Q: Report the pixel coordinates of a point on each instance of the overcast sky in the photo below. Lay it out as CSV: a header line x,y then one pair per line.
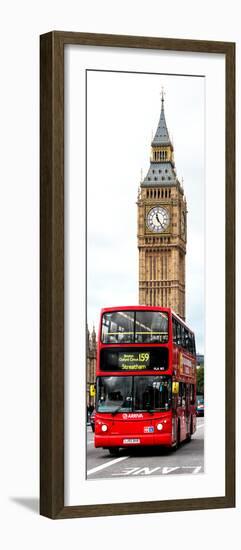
x,y
122,115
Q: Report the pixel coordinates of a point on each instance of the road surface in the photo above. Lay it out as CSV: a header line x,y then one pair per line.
x,y
147,461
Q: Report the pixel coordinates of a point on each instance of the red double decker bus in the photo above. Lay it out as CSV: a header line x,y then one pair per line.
x,y
146,379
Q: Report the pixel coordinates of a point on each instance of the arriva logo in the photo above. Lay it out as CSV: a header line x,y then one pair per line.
x,y
132,415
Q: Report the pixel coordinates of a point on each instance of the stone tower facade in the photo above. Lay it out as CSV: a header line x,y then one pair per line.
x,y
162,227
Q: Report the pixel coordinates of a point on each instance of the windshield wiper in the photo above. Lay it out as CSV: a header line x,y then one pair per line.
x,y
117,409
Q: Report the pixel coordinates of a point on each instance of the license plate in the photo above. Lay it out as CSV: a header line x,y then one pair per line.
x,y
126,441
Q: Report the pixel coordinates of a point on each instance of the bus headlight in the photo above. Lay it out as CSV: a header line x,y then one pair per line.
x,y
104,428
159,427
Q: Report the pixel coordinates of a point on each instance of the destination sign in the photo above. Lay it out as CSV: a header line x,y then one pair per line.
x,y
134,360
139,360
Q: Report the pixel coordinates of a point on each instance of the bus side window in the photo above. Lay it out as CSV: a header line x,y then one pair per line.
x,y
174,331
189,341
179,335
194,344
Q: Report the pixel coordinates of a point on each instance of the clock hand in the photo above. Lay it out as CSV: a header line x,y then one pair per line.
x,y
159,221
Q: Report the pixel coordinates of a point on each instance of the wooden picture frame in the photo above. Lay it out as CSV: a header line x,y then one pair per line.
x,y
52,274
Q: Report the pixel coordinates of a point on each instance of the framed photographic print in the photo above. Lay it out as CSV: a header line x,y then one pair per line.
x,y
137,193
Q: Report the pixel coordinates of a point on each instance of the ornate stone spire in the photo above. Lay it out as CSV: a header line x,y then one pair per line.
x,y
161,136
161,230
162,167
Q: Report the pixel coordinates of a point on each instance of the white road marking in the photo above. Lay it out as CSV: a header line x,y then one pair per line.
x,y
163,470
89,442
146,471
169,469
127,471
106,465
200,426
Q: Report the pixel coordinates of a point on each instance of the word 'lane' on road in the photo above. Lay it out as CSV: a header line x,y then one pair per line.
x,y
147,461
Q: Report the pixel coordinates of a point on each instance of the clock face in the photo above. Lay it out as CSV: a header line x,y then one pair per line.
x,y
158,219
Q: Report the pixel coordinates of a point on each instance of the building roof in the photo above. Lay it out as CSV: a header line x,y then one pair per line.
x,y
160,173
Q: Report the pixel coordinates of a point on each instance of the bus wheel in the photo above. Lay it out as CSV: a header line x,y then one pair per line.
x,y
114,451
189,436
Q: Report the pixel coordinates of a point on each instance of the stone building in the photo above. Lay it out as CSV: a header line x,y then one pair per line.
x,y
91,367
162,227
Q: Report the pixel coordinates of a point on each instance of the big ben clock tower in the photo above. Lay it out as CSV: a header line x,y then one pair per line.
x,y
162,231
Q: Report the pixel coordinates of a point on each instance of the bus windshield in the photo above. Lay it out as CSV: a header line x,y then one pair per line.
x,y
133,393
128,327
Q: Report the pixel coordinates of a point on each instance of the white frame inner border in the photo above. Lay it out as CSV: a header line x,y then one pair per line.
x,y
79,490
